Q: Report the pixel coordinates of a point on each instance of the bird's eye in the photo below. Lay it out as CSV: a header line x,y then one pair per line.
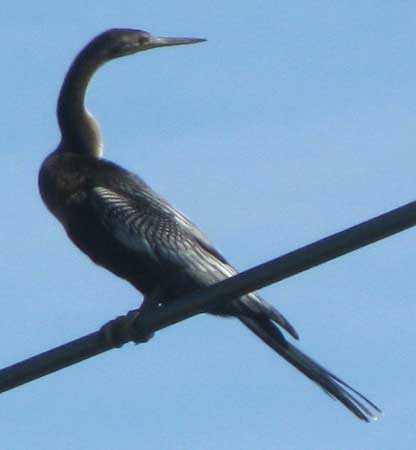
x,y
122,45
143,40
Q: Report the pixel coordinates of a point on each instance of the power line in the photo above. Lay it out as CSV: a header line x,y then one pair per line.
x,y
260,276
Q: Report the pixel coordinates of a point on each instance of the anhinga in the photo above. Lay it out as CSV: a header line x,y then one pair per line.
x,y
115,218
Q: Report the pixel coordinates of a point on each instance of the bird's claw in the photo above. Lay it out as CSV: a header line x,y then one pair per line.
x,y
123,329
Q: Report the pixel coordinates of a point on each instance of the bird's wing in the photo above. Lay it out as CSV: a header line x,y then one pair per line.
x,y
183,221
145,223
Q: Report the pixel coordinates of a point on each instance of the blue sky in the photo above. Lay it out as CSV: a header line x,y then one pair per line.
x,y
292,122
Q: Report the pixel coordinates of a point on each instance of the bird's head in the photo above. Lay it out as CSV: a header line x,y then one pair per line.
x,y
119,42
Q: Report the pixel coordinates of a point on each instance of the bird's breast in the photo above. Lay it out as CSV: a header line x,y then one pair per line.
x,y
61,182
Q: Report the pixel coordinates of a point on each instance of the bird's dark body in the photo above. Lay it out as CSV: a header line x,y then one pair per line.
x,y
115,218
177,257
124,226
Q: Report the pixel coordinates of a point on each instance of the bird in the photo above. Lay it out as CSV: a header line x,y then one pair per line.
x,y
123,225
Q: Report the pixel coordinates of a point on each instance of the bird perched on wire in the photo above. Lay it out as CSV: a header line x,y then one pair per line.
x,y
115,218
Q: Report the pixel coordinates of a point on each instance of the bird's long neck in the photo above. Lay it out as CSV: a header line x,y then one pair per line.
x,y
80,131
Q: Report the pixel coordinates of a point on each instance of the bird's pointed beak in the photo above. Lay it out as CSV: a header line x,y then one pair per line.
x,y
156,41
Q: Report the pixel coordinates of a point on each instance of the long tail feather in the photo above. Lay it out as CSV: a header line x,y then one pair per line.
x,y
256,304
359,405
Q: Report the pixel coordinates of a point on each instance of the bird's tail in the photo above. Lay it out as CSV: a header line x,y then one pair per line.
x,y
359,405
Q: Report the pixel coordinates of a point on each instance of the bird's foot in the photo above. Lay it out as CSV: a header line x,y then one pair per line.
x,y
123,329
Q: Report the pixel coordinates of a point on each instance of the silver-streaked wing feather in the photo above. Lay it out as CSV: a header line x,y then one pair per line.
x,y
182,220
147,224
